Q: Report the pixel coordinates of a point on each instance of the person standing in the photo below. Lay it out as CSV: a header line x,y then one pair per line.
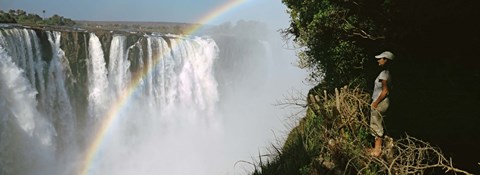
x,y
381,101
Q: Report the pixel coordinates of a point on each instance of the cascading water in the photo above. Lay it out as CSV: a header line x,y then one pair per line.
x,y
160,127
118,68
27,135
166,114
97,82
172,104
58,105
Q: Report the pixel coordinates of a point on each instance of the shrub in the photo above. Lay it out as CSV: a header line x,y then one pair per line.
x,y
333,137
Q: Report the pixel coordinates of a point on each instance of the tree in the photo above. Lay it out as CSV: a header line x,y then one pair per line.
x,y
21,17
336,37
29,19
6,18
59,20
20,12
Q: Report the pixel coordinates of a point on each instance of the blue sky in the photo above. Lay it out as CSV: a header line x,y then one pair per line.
x,y
271,12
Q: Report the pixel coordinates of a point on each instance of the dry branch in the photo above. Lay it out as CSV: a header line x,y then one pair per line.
x,y
346,115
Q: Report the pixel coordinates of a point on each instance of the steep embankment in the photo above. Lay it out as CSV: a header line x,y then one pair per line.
x,y
333,138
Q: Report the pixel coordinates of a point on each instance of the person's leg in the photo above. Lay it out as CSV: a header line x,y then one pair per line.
x,y
377,150
377,131
376,124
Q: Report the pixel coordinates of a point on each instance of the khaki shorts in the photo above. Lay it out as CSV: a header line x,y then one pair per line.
x,y
376,118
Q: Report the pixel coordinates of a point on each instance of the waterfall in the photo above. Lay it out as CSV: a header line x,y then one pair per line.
x,y
172,105
118,69
168,112
39,65
27,137
58,104
97,79
148,85
18,95
23,45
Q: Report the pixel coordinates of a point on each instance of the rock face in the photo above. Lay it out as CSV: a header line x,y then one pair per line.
x,y
74,45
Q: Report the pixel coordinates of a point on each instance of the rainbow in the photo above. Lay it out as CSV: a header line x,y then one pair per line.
x,y
114,110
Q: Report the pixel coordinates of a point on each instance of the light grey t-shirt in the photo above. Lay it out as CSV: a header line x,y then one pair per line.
x,y
384,75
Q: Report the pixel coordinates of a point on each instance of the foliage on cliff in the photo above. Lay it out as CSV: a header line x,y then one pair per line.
x,y
21,17
339,38
435,42
334,136
336,37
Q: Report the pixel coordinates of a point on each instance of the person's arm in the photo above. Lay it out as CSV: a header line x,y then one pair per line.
x,y
383,94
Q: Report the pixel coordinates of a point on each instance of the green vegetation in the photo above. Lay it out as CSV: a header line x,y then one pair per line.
x,y
433,95
21,17
337,37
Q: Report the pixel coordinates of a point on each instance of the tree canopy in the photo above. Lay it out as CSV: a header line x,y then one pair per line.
x,y
21,17
436,75
336,37
339,38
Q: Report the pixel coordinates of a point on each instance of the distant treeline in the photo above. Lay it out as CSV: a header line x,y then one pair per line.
x,y
21,17
138,26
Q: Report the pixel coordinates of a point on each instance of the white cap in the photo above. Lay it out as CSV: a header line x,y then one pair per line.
x,y
387,54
